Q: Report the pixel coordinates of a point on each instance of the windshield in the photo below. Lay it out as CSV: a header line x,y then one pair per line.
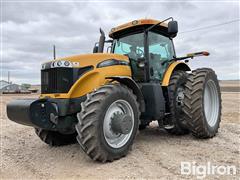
x,y
132,46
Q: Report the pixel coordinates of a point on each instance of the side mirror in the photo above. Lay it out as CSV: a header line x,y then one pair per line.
x,y
173,28
95,49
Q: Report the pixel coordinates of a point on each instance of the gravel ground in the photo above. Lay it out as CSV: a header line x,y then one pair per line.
x,y
155,153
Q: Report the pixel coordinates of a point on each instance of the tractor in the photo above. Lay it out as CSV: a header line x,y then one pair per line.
x,y
102,99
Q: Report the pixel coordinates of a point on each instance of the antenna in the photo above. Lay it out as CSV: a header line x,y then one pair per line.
x,y
148,12
8,77
54,52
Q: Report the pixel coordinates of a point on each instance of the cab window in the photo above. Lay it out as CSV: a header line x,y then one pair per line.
x,y
133,47
160,52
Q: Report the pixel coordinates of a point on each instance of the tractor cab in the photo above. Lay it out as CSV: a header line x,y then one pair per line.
x,y
148,45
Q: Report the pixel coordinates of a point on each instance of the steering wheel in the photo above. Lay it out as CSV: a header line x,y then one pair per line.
x,y
139,52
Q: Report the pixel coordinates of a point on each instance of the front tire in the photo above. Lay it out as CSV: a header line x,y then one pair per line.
x,y
96,133
204,103
54,138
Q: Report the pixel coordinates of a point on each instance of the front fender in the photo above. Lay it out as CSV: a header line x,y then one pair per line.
x,y
87,83
131,84
96,78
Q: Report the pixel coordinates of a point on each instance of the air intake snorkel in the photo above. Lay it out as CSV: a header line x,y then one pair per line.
x,y
101,42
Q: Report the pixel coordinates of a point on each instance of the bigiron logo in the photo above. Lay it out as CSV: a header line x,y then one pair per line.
x,y
203,170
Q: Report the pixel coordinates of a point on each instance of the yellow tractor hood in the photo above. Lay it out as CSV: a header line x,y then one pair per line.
x,y
92,59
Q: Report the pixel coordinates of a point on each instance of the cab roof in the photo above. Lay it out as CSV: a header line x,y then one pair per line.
x,y
135,25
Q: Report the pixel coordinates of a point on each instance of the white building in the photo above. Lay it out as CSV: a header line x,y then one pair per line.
x,y
6,87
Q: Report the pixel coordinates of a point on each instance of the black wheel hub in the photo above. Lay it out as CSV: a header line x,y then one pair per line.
x,y
121,123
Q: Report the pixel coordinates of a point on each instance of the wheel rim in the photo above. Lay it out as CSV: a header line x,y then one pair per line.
x,y
179,98
117,140
211,103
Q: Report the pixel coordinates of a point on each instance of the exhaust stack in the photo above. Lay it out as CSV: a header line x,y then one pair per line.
x,y
101,41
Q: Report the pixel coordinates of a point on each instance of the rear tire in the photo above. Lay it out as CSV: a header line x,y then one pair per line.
x,y
176,116
54,138
204,104
95,136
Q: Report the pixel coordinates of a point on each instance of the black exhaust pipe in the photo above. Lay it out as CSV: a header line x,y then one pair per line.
x,y
101,41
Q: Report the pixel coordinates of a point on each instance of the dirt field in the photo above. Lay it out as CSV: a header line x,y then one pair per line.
x,y
230,86
155,154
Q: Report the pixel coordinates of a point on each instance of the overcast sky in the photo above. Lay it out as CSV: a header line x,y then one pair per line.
x,y
29,29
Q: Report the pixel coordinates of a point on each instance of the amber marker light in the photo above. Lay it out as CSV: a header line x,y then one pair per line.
x,y
205,53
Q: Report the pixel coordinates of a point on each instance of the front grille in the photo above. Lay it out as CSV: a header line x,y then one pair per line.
x,y
60,80
56,80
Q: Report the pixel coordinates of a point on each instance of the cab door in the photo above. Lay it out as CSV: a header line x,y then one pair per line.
x,y
161,51
132,45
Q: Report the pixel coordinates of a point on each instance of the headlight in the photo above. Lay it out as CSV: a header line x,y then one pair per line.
x,y
61,63
66,63
112,62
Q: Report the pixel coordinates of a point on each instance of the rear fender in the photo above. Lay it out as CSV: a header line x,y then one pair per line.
x,y
171,68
